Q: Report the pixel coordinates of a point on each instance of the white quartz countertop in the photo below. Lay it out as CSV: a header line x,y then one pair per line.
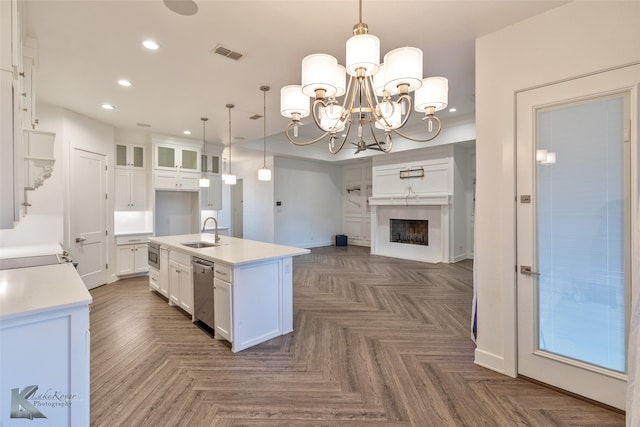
x,y
30,250
232,250
40,289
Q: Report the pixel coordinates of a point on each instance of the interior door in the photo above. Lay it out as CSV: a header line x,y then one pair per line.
x,y
574,232
88,216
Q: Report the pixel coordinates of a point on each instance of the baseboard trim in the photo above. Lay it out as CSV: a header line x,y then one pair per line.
x,y
489,361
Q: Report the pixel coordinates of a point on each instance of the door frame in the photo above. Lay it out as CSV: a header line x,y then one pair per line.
x,y
633,87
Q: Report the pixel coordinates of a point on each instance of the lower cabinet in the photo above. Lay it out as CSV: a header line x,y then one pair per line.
x,y
181,281
223,308
46,353
132,259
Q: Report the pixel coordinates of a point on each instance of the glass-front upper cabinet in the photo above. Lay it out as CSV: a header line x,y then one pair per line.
x,y
177,158
210,163
129,156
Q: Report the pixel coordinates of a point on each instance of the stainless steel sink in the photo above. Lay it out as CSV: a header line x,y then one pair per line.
x,y
199,245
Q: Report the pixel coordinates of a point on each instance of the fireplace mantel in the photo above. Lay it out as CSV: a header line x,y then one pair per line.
x,y
413,200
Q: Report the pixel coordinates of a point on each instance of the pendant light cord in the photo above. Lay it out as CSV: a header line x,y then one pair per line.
x,y
230,106
264,90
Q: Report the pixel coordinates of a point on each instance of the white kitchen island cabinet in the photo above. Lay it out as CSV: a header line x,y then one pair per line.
x,y
44,351
253,286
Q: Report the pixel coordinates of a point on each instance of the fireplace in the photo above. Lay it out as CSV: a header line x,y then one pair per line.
x,y
423,230
409,231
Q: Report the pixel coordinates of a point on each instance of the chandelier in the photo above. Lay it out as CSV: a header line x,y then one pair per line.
x,y
377,96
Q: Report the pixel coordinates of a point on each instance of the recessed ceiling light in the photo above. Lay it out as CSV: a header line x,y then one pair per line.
x,y
452,110
108,106
123,82
187,132
150,44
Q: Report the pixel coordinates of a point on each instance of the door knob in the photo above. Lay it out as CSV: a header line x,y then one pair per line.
x,y
80,239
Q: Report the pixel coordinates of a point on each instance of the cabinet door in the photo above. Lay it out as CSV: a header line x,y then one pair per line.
x,y
205,197
174,283
189,182
186,288
125,259
121,156
223,309
164,271
137,157
166,157
166,181
190,160
138,188
141,255
154,279
123,190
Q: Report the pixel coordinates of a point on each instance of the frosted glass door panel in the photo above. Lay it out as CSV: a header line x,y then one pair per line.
x,y
121,155
166,157
580,232
190,160
138,157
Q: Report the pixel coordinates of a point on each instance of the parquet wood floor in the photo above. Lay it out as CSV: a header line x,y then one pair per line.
x,y
377,342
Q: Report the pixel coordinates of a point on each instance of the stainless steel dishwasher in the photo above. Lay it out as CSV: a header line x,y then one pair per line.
x,y
203,292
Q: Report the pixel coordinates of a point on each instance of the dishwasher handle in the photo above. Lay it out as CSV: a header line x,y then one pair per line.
x,y
203,263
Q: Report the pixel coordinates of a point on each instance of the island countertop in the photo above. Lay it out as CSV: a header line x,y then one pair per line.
x,y
232,250
39,289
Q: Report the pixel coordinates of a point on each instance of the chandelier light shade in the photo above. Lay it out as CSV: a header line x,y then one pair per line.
x,y
264,173
204,181
319,73
434,92
230,178
403,67
294,102
375,96
363,53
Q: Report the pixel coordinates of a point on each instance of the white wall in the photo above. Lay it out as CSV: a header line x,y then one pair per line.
x,y
258,205
563,43
43,223
311,196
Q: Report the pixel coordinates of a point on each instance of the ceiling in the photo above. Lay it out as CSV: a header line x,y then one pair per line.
x,y
85,47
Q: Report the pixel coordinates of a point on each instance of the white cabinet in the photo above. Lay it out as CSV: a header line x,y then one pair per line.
x,y
131,190
176,165
223,301
154,279
44,316
132,255
164,271
178,158
181,281
211,197
176,181
130,156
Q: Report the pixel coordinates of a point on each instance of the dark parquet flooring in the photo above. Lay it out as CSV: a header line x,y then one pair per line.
x,y
377,342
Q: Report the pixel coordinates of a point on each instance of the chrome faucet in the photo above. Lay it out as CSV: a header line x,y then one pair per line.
x,y
215,221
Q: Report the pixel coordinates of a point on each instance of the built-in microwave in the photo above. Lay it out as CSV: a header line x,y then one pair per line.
x,y
154,255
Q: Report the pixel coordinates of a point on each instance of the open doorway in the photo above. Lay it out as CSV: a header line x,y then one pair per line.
x,y
236,209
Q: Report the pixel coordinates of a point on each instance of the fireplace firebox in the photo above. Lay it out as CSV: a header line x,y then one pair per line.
x,y
409,231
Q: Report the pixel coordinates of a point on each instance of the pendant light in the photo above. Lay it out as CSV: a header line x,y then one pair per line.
x,y
264,173
204,181
230,178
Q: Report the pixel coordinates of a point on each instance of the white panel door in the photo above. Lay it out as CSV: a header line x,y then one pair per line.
x,y
574,232
88,216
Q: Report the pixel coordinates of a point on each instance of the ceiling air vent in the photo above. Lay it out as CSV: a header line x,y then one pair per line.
x,y
221,50
255,117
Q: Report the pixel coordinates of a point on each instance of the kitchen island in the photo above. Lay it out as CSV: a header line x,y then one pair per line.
x,y
252,285
44,346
